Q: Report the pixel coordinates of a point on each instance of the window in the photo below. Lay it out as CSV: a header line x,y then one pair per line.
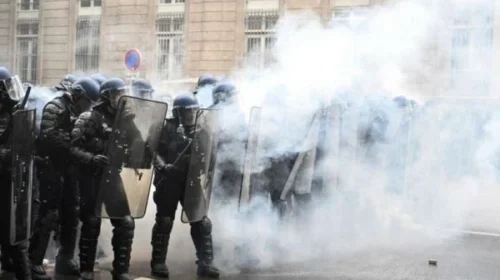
x,y
171,1
259,31
90,3
170,46
471,49
26,50
87,43
27,5
351,17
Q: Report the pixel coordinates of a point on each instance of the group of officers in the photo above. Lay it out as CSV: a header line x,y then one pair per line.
x,y
72,158
89,134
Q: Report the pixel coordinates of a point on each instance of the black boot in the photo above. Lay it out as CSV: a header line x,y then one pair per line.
x,y
201,233
6,259
65,263
123,235
21,261
159,240
38,273
91,228
40,241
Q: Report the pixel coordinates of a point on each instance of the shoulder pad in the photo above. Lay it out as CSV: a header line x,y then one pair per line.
x,y
55,104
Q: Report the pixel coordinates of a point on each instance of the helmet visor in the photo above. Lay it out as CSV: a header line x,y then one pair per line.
x,y
115,94
13,88
187,116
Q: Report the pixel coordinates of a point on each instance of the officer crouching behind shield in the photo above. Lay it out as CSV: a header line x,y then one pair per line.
x,y
171,170
89,141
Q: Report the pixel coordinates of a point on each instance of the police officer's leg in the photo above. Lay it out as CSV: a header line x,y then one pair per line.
x,y
123,230
21,261
91,228
279,205
47,220
65,264
166,198
18,253
201,233
6,259
303,207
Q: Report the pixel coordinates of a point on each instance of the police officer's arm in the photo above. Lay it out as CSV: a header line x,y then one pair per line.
x,y
160,163
81,137
52,135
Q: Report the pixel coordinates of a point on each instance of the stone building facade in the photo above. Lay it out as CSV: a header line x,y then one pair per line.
x,y
41,40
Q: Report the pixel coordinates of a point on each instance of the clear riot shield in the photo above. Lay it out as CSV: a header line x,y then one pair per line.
x,y
301,176
202,161
250,156
450,140
132,147
279,154
23,136
326,172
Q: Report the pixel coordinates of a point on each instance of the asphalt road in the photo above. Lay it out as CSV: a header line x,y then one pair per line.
x,y
469,256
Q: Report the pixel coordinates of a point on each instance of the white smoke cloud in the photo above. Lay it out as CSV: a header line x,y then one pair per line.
x,y
436,173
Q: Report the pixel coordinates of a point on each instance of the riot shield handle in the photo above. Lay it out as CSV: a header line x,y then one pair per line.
x,y
137,173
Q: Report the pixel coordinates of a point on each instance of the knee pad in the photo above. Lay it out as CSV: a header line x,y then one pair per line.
x,y
204,226
126,223
91,226
164,224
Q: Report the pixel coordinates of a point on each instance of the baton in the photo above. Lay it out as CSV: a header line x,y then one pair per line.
x,y
25,99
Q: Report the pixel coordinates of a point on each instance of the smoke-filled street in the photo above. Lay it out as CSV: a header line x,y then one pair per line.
x,y
469,256
269,139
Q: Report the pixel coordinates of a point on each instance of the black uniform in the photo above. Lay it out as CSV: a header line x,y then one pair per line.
x,y
58,188
170,187
89,139
17,254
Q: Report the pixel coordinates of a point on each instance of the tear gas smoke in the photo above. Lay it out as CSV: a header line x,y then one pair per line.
x,y
399,176
38,98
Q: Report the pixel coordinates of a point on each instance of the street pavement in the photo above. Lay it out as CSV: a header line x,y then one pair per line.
x,y
468,256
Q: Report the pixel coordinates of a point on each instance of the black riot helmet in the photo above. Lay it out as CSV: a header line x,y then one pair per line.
x,y
206,80
86,87
98,77
223,93
142,88
85,92
69,79
184,109
401,101
10,86
111,91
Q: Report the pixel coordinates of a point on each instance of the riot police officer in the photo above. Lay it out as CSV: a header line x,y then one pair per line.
x,y
170,180
205,80
142,88
58,188
89,141
68,80
231,142
203,91
14,258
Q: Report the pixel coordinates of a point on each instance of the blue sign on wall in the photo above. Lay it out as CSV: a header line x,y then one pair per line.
x,y
133,59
